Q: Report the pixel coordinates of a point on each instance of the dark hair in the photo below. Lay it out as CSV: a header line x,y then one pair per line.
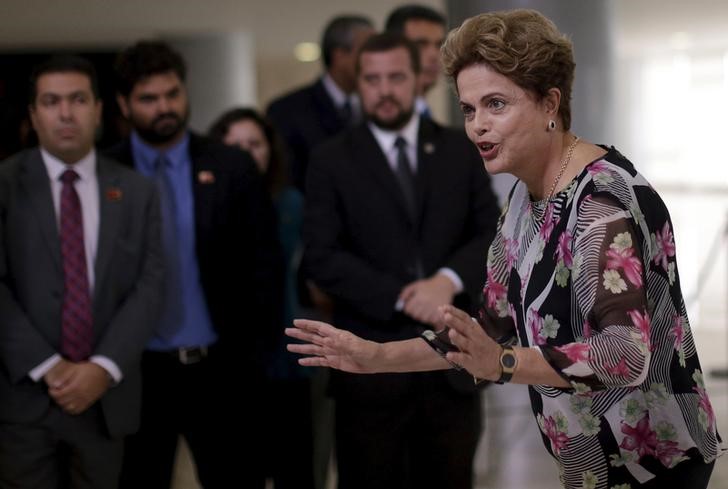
x,y
63,64
144,59
387,41
522,45
339,34
276,177
399,17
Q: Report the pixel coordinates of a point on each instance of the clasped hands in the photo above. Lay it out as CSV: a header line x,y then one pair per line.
x,y
76,386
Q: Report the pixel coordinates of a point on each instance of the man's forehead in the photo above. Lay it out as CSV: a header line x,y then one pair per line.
x,y
63,82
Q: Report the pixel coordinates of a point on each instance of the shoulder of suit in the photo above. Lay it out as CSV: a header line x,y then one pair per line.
x,y
13,164
297,97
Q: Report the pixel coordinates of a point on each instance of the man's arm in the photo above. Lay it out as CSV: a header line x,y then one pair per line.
x,y
135,319
22,347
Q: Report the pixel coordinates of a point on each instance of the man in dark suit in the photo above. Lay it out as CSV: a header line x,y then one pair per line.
x,y
426,28
219,228
310,115
399,215
81,270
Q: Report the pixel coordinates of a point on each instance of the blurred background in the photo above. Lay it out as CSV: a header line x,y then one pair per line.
x,y
651,79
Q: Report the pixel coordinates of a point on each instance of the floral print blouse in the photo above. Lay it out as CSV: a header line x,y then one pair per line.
x,y
590,279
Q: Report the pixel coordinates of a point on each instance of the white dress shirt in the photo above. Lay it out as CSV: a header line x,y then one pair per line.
x,y
386,139
87,188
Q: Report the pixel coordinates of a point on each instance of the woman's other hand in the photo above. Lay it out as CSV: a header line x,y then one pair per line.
x,y
327,346
479,354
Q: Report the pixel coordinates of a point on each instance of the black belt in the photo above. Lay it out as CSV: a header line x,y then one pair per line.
x,y
186,356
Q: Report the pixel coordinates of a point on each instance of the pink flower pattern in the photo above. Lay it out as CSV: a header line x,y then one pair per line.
x,y
665,246
642,323
667,451
548,223
677,331
494,291
705,405
640,438
535,324
626,260
575,352
619,370
511,246
558,438
597,167
563,250
587,329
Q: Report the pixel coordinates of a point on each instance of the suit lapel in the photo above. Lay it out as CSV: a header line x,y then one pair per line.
x,y
111,200
368,154
205,185
328,114
428,153
35,181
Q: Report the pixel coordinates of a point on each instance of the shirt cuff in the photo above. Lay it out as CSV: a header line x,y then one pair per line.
x,y
454,278
39,372
108,364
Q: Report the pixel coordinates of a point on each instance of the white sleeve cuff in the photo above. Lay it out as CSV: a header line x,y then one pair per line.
x,y
108,364
39,372
454,278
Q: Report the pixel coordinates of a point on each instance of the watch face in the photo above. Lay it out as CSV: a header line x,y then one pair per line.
x,y
508,360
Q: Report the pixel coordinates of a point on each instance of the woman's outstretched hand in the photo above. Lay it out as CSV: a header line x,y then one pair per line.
x,y
327,346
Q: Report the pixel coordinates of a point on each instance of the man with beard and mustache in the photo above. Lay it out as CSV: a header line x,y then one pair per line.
x,y
219,227
399,215
426,28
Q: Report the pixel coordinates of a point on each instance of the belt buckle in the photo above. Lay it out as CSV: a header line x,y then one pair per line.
x,y
190,356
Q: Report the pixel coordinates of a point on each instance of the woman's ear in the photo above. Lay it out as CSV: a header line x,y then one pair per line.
x,y
551,102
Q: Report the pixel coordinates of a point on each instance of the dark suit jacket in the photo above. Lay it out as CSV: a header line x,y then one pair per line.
x,y
305,118
238,253
126,298
361,246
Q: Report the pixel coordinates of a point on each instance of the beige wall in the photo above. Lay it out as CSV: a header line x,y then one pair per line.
x,y
276,27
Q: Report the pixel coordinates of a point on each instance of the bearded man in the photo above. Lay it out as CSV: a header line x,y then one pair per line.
x,y
218,228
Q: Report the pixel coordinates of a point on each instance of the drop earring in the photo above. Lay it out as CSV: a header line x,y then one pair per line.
x,y
552,125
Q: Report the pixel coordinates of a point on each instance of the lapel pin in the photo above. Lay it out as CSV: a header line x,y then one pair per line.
x,y
205,177
113,194
428,148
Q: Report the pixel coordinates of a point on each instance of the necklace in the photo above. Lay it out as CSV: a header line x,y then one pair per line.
x,y
564,164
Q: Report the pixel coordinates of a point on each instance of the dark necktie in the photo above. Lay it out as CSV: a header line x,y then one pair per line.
x,y
405,176
347,112
76,315
172,310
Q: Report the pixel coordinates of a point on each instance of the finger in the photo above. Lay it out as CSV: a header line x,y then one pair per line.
x,y
309,349
458,313
462,325
313,362
316,327
457,339
303,335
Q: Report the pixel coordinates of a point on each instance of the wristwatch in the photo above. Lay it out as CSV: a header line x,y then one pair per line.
x,y
508,363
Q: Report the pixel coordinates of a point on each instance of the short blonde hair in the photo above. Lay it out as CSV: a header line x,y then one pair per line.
x,y
522,45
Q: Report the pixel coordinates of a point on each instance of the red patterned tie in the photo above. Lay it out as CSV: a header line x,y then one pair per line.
x,y
76,332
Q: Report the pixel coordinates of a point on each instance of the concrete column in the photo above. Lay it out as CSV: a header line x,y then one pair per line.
x,y
220,74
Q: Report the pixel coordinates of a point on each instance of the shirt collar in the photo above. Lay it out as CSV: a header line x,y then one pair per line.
x,y
421,105
335,92
85,167
386,137
146,155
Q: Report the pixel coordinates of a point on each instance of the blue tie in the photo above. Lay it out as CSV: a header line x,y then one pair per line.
x,y
172,311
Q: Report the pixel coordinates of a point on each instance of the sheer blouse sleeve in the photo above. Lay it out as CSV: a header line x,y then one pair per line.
x,y
609,291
